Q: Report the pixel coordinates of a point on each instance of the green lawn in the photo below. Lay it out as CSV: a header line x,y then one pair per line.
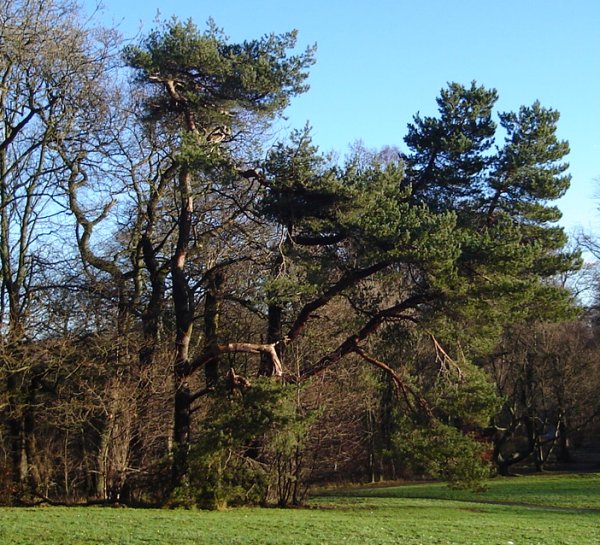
x,y
550,490
358,516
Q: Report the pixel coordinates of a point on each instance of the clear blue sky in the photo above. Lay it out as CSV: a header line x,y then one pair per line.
x,y
381,61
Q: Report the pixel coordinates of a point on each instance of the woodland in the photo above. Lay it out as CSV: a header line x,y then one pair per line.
x,y
196,313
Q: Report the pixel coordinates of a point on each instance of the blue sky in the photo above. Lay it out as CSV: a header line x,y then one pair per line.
x,y
379,62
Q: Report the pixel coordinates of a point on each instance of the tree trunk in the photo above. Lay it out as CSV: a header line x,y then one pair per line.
x,y
21,426
152,313
184,319
274,335
563,452
212,311
29,436
17,451
100,491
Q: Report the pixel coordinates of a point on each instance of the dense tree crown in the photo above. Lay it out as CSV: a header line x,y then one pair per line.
x,y
220,89
235,317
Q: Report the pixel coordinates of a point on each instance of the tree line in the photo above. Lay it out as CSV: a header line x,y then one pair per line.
x,y
196,313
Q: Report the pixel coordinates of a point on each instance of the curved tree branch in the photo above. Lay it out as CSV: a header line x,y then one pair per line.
x,y
351,343
401,385
217,350
346,281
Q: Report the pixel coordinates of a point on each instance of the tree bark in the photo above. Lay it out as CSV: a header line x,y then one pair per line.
x,y
184,319
274,335
212,312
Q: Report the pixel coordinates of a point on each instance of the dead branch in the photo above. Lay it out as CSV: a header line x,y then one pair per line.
x,y
237,382
217,350
445,362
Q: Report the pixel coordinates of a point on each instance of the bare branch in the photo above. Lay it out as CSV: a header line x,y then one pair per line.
x,y
217,350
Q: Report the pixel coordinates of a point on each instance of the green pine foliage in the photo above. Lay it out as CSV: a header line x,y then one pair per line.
x,y
213,76
463,224
441,451
245,450
204,251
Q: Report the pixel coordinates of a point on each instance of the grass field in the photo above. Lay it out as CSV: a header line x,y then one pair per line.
x,y
566,512
576,491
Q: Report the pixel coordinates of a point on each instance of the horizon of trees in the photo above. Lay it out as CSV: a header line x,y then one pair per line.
x,y
193,314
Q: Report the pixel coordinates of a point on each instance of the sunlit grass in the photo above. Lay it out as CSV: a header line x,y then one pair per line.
x,y
383,516
580,491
